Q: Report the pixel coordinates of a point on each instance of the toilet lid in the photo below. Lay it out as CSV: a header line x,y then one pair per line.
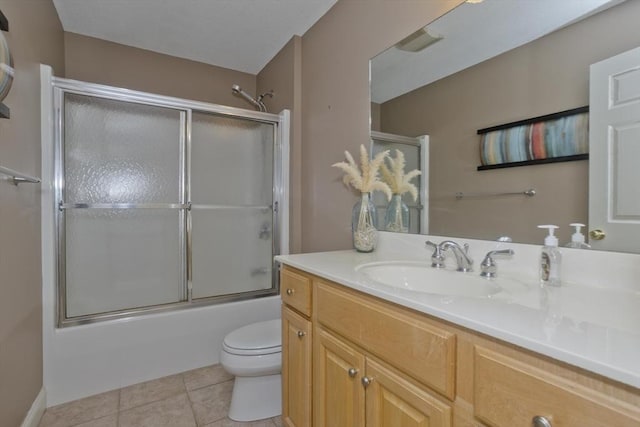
x,y
256,338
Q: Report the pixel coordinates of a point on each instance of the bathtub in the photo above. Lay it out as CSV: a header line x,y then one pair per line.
x,y
80,361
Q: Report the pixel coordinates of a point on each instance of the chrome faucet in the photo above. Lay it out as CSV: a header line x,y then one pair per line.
x,y
488,267
437,258
464,261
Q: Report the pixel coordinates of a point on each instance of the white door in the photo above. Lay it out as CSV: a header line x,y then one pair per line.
x,y
614,152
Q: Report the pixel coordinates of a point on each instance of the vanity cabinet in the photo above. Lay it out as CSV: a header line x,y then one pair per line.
x,y
498,379
296,349
376,363
352,388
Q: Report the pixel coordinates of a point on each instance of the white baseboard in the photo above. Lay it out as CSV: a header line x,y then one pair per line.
x,y
37,409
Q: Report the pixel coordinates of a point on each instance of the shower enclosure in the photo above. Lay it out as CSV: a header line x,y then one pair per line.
x,y
163,203
416,154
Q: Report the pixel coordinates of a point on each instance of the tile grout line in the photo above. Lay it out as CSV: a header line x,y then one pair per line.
x,y
193,413
216,381
119,406
156,400
118,412
186,391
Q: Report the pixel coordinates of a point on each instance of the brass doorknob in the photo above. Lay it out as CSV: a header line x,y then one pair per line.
x,y
597,234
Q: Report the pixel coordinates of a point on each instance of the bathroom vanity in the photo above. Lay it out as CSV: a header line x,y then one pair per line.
x,y
357,353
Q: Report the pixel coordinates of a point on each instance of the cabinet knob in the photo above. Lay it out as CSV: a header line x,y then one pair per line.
x,y
353,372
366,381
290,291
301,334
597,234
539,421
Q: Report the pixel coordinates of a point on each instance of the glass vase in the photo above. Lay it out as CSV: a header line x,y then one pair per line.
x,y
396,218
364,224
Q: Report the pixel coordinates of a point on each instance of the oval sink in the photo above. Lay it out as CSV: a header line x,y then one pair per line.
x,y
421,277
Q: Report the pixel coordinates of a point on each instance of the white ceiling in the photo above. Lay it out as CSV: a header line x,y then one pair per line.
x,y
242,35
472,33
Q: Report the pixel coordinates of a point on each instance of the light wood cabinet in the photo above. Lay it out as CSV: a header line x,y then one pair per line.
x,y
498,379
423,371
338,394
297,339
295,291
394,400
352,388
421,349
296,369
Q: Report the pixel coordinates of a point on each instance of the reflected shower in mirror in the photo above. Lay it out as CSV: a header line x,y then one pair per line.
x,y
486,64
416,155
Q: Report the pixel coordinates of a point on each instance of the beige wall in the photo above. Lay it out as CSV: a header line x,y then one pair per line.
x,y
283,75
543,77
335,103
35,36
98,61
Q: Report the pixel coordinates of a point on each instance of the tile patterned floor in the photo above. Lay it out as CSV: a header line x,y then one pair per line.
x,y
198,398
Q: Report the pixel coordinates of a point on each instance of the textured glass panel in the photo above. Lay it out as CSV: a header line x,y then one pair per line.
x,y
232,251
120,152
412,158
414,220
231,161
120,259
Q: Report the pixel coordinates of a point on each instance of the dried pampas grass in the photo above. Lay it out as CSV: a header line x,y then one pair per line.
x,y
366,178
396,179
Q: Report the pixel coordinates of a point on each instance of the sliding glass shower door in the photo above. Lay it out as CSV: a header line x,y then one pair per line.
x,y
122,205
232,196
161,203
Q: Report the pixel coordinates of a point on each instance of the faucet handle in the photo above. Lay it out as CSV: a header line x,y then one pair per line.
x,y
437,258
466,248
488,267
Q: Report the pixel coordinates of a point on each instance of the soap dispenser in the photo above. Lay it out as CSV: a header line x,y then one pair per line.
x,y
577,238
550,259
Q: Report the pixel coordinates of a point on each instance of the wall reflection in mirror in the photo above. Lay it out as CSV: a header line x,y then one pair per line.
x,y
486,64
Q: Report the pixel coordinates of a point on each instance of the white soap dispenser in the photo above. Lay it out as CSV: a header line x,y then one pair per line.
x,y
550,259
577,238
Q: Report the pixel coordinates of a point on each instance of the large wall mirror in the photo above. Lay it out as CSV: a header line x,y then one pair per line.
x,y
487,63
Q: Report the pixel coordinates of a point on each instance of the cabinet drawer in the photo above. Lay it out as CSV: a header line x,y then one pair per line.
x,y
424,351
509,393
295,290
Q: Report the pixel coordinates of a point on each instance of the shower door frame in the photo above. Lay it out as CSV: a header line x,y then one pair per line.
x,y
279,207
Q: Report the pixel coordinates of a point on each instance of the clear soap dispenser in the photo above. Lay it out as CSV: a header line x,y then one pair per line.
x,y
577,238
550,259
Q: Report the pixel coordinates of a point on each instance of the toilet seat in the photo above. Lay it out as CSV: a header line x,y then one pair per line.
x,y
255,339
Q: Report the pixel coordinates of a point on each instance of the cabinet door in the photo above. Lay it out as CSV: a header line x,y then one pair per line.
x,y
393,400
510,393
338,398
296,369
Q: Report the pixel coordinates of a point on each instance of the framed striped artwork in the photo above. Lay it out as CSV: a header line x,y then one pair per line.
x,y
557,137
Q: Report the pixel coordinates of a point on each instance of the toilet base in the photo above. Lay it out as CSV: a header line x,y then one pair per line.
x,y
256,398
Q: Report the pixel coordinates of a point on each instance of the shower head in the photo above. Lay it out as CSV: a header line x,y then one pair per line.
x,y
237,90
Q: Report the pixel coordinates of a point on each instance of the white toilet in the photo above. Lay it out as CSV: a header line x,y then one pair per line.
x,y
253,353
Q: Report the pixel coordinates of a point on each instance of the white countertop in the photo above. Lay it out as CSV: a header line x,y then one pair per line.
x,y
592,327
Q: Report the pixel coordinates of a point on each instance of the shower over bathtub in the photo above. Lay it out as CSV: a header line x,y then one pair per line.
x,y
161,217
